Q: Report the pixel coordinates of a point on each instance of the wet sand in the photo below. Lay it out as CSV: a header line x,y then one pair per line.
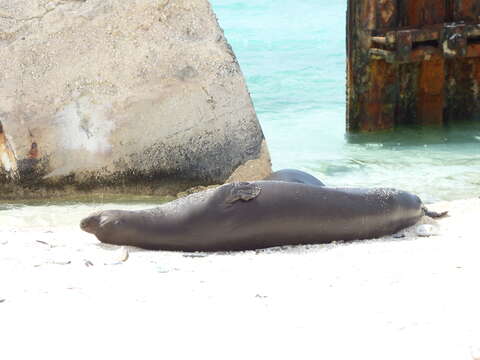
x,y
64,295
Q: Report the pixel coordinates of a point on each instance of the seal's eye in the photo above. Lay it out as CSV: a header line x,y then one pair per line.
x,y
84,224
89,223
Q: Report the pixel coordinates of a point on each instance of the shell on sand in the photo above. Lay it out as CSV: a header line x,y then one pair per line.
x,y
120,256
426,230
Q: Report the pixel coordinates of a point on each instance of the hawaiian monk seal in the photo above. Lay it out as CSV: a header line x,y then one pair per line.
x,y
293,175
242,216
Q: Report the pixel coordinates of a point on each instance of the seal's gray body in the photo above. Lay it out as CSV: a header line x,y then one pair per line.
x,y
262,214
296,176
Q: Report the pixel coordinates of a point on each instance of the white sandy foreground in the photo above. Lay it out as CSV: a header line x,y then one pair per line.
x,y
65,296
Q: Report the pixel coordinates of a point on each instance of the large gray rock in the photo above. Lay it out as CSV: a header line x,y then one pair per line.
x,y
136,94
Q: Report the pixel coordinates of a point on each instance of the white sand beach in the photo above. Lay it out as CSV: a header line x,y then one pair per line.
x,y
65,296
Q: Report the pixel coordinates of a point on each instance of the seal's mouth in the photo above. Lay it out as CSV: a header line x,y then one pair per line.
x,y
90,223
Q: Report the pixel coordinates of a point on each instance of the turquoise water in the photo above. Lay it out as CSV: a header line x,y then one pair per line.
x,y
292,54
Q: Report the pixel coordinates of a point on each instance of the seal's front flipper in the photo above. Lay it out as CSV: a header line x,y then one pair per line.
x,y
434,214
244,191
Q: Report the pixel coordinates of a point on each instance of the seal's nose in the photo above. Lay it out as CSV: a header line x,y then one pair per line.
x,y
89,224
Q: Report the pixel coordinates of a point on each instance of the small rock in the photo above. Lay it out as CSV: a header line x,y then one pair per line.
x,y
195,255
88,263
475,353
67,262
43,242
398,236
426,230
123,254
2,300
120,256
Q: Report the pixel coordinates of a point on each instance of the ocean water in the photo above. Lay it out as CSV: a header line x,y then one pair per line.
x,y
292,53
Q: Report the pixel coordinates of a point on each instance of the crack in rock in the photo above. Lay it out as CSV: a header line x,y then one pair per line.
x,y
4,15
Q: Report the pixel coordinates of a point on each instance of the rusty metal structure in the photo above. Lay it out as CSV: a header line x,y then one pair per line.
x,y
412,62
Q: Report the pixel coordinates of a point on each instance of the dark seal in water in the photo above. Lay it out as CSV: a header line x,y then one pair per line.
x,y
293,175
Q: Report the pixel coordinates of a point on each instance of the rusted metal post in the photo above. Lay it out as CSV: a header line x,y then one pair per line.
x,y
463,74
412,62
372,83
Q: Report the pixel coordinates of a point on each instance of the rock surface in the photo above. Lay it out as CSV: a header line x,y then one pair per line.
x,y
141,95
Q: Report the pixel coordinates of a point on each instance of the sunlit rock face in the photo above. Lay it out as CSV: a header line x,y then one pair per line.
x,y
143,94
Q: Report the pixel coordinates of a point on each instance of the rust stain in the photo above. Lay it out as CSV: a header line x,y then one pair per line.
x,y
467,10
380,98
424,53
7,158
473,50
431,82
33,153
462,73
476,81
425,12
475,76
420,62
387,11
368,17
350,92
404,44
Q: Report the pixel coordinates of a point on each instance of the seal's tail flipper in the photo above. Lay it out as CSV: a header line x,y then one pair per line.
x,y
434,214
242,191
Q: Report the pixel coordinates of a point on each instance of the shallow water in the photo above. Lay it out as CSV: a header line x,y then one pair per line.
x,y
60,215
292,54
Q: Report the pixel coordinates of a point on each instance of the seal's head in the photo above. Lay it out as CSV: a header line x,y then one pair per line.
x,y
91,223
118,227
